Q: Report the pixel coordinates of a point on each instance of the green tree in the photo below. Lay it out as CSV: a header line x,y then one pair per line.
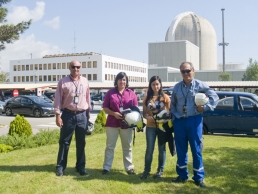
x,y
251,73
100,122
224,76
9,32
3,76
101,118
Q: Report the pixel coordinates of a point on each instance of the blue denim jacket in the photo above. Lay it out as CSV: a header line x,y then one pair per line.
x,y
184,95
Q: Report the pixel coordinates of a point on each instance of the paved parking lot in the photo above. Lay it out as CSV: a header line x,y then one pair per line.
x,y
43,122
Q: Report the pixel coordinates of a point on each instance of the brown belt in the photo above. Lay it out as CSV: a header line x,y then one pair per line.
x,y
74,111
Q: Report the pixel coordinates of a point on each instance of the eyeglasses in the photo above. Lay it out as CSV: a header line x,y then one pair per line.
x,y
186,71
77,67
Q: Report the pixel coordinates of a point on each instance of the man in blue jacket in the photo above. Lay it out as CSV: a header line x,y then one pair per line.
x,y
188,122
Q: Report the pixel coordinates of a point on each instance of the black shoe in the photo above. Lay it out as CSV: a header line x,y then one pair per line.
x,y
199,183
144,175
59,172
105,172
158,175
82,172
131,171
178,180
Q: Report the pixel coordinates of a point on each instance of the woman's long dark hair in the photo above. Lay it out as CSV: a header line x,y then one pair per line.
x,y
120,75
150,92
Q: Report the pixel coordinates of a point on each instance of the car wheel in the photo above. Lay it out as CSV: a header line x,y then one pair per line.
x,y
8,111
204,130
37,113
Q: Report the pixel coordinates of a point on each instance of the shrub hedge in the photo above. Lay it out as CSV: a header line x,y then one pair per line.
x,y
15,141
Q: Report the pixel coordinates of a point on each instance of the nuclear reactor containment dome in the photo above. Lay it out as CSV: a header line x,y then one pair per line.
x,y
196,29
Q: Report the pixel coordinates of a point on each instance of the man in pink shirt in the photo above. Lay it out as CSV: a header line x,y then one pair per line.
x,y
73,97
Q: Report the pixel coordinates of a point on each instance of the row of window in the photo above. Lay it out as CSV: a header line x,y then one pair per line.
x,y
110,77
50,66
53,78
49,78
124,67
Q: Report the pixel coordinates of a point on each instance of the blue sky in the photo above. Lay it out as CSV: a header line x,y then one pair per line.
x,y
123,28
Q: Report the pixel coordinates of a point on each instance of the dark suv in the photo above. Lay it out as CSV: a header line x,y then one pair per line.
x,y
236,113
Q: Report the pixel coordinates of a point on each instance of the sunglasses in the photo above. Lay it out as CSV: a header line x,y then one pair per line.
x,y
77,67
186,71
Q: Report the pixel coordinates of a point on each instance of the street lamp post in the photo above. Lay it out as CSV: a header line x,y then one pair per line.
x,y
223,44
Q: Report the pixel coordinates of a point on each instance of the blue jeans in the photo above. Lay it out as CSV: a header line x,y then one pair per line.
x,y
151,134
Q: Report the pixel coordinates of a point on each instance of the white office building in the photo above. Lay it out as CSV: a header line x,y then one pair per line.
x,y
95,67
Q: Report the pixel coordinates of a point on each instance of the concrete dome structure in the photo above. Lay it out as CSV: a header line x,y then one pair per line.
x,y
197,30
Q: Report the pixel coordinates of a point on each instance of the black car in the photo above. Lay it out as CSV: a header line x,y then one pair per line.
x,y
28,105
50,94
44,97
236,113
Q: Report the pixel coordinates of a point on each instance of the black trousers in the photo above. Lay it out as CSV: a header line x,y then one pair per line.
x,y
72,122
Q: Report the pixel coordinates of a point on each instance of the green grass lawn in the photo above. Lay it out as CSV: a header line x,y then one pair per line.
x,y
231,166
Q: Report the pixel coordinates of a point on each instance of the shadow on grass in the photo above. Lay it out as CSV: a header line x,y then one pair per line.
x,y
34,168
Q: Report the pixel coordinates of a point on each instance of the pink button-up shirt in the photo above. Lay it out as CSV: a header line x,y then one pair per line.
x,y
66,91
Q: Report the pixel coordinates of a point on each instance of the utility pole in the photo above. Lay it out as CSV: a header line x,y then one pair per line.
x,y
223,44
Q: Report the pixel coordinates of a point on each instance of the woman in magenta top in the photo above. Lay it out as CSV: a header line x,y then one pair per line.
x,y
117,99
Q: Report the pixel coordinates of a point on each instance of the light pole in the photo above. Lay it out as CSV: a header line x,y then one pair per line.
x,y
223,44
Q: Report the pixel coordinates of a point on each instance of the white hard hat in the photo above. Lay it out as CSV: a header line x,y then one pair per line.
x,y
162,116
133,118
200,99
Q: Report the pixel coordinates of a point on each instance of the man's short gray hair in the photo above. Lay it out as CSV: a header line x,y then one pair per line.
x,y
191,65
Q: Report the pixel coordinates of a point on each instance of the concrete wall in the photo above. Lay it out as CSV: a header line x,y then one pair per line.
x,y
201,75
208,75
162,73
172,54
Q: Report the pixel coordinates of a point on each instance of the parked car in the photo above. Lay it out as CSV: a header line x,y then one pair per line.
x,y
140,96
2,106
43,96
28,105
92,104
99,97
236,113
168,91
50,94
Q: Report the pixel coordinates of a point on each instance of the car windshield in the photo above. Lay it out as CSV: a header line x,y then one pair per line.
x,y
37,99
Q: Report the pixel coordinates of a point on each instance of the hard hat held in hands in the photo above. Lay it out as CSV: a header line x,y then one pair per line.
x,y
162,116
200,99
133,118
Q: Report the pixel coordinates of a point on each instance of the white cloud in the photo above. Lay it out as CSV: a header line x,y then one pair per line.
x,y
23,48
22,13
54,23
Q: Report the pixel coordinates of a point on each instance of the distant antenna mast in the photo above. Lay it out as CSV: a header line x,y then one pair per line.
x,y
223,44
74,43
